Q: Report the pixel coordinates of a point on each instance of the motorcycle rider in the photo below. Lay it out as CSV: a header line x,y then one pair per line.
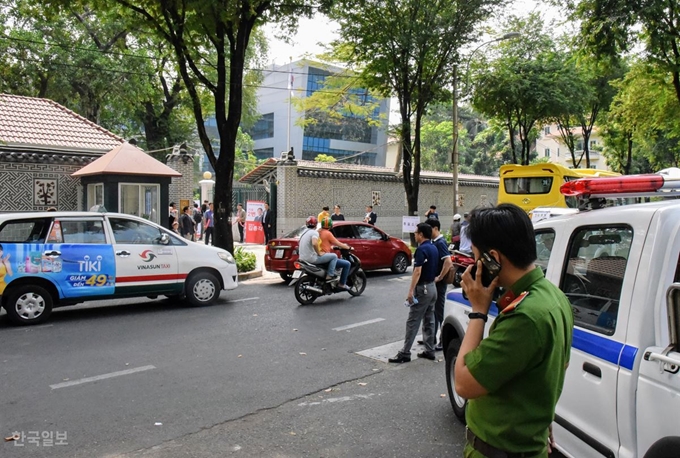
x,y
328,240
310,249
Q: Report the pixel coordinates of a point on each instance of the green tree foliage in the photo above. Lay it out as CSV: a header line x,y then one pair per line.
x,y
612,27
210,42
528,83
324,158
97,64
407,49
642,129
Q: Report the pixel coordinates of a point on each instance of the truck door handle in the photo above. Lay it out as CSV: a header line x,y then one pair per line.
x,y
123,253
592,369
52,253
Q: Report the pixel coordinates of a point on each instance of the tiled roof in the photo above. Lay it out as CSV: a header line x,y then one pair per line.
x,y
33,122
364,172
127,159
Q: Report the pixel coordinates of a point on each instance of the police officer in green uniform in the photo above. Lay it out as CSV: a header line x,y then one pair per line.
x,y
514,377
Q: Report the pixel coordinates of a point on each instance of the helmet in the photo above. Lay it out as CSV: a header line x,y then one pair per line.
x,y
456,217
311,222
326,222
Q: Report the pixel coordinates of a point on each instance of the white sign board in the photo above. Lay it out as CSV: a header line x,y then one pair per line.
x,y
409,223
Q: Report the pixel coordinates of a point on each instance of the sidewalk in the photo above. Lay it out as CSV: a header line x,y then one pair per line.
x,y
259,251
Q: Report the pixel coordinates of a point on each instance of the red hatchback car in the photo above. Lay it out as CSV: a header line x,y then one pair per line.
x,y
375,248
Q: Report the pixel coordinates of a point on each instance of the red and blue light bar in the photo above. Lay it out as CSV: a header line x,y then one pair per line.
x,y
653,184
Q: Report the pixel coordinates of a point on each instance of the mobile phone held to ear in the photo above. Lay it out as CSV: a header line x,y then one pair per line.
x,y
490,269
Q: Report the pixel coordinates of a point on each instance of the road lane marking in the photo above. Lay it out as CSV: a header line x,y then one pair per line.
x,y
246,299
356,325
101,377
340,399
384,352
33,328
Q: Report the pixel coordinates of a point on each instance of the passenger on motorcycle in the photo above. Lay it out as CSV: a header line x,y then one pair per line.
x,y
310,249
328,240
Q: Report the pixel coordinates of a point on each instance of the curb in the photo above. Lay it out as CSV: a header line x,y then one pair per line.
x,y
242,276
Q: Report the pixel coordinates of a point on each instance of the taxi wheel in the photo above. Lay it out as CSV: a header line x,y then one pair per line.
x,y
400,263
457,402
202,288
28,304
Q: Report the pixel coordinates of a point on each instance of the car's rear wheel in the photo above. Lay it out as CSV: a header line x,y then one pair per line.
x,y
399,263
303,293
457,402
202,288
28,305
357,283
286,277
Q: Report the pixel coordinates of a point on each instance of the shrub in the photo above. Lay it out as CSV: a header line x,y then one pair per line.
x,y
245,260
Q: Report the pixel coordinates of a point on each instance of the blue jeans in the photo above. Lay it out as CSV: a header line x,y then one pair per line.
x,y
344,265
329,258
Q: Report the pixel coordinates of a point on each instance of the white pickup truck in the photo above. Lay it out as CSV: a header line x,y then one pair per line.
x,y
620,268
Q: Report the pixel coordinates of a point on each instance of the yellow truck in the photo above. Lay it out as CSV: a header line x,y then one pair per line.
x,y
531,186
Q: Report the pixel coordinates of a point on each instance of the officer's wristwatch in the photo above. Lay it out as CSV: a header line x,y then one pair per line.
x,y
481,316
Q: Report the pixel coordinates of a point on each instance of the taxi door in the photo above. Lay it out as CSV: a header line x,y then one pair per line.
x,y
77,256
144,266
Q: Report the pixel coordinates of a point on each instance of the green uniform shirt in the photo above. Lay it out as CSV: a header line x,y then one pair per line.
x,y
522,364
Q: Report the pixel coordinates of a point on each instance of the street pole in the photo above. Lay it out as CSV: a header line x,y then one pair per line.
x,y
455,156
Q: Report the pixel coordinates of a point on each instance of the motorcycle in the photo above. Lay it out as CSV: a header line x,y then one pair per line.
x,y
461,261
310,279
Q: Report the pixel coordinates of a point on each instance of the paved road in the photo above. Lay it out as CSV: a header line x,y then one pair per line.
x,y
249,376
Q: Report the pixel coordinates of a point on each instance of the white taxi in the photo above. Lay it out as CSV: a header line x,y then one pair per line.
x,y
52,259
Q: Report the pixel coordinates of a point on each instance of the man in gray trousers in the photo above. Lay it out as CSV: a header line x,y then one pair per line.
x,y
422,295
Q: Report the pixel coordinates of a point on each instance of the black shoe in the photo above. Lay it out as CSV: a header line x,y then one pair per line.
x,y
400,359
439,348
426,356
420,342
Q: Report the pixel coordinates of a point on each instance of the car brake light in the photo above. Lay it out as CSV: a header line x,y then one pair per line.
x,y
296,265
631,184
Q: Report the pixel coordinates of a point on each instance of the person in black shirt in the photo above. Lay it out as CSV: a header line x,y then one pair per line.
x,y
422,295
337,216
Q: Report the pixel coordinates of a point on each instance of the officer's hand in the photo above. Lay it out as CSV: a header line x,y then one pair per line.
x,y
480,297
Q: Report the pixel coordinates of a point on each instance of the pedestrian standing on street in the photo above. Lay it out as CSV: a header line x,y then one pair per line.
x,y
422,295
198,218
324,213
465,242
432,213
240,219
370,217
208,224
267,223
440,281
337,216
514,377
172,214
186,223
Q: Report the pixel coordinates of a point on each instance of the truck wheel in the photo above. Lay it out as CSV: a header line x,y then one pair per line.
x,y
28,304
202,288
457,402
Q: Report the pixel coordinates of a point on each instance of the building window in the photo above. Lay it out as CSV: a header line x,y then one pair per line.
x,y
264,153
141,200
547,152
263,128
546,130
95,195
593,144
